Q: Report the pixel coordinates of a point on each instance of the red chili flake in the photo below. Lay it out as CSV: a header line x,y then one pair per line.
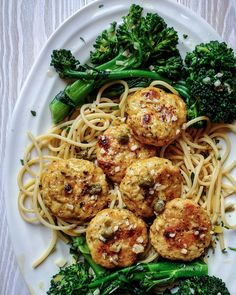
x,y
151,94
146,119
103,142
68,189
104,164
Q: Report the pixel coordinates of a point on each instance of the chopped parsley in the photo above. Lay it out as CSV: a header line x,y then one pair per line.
x,y
22,162
101,6
231,248
115,107
82,39
223,225
185,36
192,176
224,251
33,113
219,157
67,128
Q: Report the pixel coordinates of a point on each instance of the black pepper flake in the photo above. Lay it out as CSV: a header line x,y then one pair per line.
x,y
81,204
68,189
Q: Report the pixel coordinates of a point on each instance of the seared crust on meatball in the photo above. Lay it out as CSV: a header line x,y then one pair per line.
x,y
117,149
115,237
155,116
149,184
182,231
74,189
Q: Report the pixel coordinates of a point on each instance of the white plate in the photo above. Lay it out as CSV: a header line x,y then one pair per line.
x,y
30,240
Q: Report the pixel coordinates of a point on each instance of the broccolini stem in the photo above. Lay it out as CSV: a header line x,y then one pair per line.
x,y
83,248
75,95
114,75
159,272
98,270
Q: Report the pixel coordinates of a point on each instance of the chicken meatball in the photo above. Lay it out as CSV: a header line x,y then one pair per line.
x,y
149,184
155,116
117,149
74,189
182,231
115,237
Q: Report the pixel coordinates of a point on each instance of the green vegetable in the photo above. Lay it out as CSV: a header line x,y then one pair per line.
x,y
192,176
233,249
140,42
79,244
211,81
33,113
69,280
137,279
204,285
224,251
82,39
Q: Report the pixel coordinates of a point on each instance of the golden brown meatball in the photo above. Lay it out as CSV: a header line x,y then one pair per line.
x,y
117,149
115,237
155,116
148,184
182,231
74,189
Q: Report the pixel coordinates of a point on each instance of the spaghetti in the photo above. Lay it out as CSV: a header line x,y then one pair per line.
x,y
197,152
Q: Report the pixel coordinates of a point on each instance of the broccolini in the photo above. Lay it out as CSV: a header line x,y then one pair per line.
x,y
140,42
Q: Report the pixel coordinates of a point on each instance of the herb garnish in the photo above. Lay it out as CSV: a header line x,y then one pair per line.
x,y
231,248
115,107
33,113
192,176
82,39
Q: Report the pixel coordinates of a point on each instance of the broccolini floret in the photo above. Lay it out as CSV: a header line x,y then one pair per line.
x,y
204,285
211,81
63,60
106,46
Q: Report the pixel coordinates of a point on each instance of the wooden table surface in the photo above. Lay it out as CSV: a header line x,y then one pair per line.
x,y
25,26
